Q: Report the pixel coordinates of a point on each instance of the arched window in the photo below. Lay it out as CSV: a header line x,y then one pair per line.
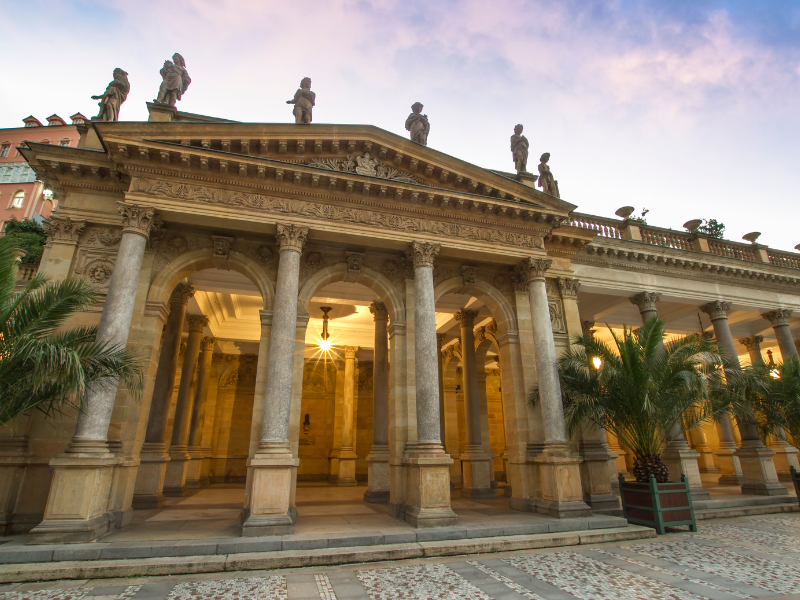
x,y
65,142
17,199
5,148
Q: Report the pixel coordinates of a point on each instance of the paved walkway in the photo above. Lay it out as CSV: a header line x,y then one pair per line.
x,y
749,557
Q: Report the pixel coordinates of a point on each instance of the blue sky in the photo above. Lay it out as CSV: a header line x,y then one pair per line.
x,y
691,109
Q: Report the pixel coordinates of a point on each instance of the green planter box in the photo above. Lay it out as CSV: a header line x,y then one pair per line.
x,y
657,505
796,480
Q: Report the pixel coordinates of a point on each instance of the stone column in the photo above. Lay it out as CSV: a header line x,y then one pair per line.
x,y
758,469
476,463
347,456
272,507
729,465
175,478
785,454
378,458
779,319
194,479
79,497
678,456
427,464
439,341
149,489
559,491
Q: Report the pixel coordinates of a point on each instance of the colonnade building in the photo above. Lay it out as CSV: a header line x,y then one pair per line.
x,y
449,290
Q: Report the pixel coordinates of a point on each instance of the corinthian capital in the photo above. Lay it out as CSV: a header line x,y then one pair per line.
x,y
379,311
752,343
137,219
182,293
291,237
535,268
63,230
350,352
645,300
716,309
466,318
197,322
423,253
779,316
207,344
568,287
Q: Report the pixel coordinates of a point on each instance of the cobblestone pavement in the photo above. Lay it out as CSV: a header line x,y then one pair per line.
x,y
750,557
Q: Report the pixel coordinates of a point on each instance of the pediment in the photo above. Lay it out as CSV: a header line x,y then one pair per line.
x,y
359,150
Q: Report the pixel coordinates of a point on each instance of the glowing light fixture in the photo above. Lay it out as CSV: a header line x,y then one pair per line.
x,y
325,345
597,362
324,338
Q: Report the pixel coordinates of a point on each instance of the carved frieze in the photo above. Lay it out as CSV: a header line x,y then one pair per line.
x,y
363,165
327,212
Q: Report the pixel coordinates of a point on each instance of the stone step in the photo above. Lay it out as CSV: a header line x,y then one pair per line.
x,y
282,559
724,512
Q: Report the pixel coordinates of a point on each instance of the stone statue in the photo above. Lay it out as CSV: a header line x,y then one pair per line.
x,y
113,97
418,125
546,181
175,80
366,165
519,150
304,100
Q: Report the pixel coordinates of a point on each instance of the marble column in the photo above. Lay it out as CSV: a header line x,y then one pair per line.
x,y
80,492
475,462
559,492
346,475
175,478
678,456
779,319
378,457
440,337
785,454
274,467
149,489
758,468
427,464
194,468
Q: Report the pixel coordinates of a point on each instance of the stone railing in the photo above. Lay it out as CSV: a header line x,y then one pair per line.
x,y
604,227
26,273
682,240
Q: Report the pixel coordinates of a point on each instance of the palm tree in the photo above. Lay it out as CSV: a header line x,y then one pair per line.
x,y
43,365
644,391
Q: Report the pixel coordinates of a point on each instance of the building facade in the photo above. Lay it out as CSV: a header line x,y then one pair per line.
x,y
336,304
22,196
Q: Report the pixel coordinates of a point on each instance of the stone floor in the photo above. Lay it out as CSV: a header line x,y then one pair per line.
x,y
749,557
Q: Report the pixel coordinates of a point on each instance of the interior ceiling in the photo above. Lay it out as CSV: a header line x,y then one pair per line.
x,y
232,304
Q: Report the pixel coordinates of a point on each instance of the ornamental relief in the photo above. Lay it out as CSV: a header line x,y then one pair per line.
x,y
365,377
95,266
557,320
363,165
319,378
326,212
104,237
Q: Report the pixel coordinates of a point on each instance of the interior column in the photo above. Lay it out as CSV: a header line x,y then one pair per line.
x,y
347,456
83,474
378,458
149,491
271,509
559,491
427,464
195,478
175,479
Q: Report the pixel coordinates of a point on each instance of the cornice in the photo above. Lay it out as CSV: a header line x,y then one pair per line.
x,y
635,256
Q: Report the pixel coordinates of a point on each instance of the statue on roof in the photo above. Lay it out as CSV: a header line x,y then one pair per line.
x,y
418,125
115,94
175,82
519,150
546,181
304,100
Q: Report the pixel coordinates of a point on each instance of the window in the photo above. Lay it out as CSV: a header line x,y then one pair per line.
x,y
77,122
64,142
44,141
4,150
30,124
17,199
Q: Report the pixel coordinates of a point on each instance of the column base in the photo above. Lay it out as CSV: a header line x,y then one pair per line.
x,y
378,477
149,488
785,457
77,509
428,486
271,509
596,477
681,459
729,466
175,476
758,469
477,469
560,493
346,476
193,467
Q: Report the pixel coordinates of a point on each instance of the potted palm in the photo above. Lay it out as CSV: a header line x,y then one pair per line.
x,y
646,392
44,365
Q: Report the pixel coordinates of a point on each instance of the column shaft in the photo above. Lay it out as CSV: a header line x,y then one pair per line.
x,y
194,468
426,376
347,456
439,341
378,478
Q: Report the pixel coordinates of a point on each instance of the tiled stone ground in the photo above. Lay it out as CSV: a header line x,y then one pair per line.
x,y
750,557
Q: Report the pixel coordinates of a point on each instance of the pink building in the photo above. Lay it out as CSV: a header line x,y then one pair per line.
x,y
21,194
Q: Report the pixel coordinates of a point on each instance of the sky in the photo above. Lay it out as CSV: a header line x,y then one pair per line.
x,y
688,108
